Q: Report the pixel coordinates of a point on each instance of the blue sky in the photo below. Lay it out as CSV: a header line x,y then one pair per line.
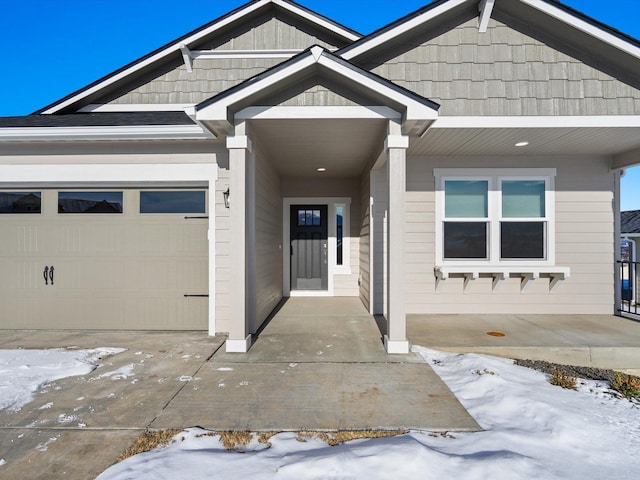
x,y
51,48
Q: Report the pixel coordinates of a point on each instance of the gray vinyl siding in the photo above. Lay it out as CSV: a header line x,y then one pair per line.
x,y
584,243
270,32
365,221
379,184
211,76
223,237
317,95
268,240
505,72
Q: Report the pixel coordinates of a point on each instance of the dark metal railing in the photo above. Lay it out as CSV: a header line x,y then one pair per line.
x,y
629,277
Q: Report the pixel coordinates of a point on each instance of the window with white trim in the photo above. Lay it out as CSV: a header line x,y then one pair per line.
x,y
495,216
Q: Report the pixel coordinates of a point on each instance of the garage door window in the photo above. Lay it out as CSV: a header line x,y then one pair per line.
x,y
90,202
20,202
173,201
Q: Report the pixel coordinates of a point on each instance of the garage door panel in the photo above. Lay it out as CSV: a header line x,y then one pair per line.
x,y
123,271
150,239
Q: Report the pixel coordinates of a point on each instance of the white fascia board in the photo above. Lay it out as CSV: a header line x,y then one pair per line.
x,y
136,107
175,47
402,28
163,53
218,110
595,121
586,27
317,20
152,132
317,112
113,174
415,110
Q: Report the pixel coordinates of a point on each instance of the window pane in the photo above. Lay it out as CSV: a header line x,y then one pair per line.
x,y
522,240
183,201
309,217
301,217
523,199
89,202
20,202
465,240
316,217
339,235
466,198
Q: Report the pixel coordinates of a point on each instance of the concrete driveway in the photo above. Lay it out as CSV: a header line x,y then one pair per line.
x,y
318,365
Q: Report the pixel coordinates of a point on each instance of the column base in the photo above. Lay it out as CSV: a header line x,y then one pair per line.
x,y
238,346
396,346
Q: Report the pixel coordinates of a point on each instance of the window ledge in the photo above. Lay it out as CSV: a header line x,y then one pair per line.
x,y
499,272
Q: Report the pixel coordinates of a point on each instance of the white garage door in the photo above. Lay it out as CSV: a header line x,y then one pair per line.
x,y
103,259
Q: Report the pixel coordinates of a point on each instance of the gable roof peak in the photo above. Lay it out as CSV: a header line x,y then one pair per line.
x,y
248,10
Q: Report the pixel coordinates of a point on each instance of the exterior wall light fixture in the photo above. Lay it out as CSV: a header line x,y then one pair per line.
x,y
225,194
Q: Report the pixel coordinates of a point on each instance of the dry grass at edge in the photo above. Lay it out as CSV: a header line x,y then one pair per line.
x,y
233,440
149,440
626,385
561,379
341,436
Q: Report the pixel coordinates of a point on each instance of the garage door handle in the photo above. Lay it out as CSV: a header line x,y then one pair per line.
x,y
51,274
46,275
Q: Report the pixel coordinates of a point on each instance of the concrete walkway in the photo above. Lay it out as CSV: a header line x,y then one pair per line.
x,y
319,364
602,341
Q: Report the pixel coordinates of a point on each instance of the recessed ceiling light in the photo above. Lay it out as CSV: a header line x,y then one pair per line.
x,y
321,169
522,144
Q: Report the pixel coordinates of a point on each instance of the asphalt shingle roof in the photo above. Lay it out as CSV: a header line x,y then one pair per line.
x,y
104,119
630,221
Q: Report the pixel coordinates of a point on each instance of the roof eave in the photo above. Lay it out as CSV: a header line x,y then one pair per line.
x,y
96,133
173,48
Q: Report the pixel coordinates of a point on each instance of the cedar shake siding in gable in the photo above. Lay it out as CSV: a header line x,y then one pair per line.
x,y
175,84
503,72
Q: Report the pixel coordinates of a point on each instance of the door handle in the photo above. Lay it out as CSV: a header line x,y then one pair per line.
x,y
51,274
46,275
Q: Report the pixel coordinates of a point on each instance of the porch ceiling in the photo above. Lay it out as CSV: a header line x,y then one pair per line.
x,y
296,148
542,141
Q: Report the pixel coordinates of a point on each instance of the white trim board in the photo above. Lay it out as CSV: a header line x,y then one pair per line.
x,y
584,26
591,121
175,46
318,112
404,27
137,107
138,132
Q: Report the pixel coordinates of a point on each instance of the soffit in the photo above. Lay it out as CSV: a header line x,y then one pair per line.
x,y
542,141
296,148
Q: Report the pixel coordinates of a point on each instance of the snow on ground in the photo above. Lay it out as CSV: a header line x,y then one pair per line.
x,y
531,430
23,372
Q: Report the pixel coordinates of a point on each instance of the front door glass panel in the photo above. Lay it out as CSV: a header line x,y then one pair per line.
x,y
309,262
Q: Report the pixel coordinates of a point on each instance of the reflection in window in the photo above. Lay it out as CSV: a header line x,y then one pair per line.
x,y
465,240
170,201
522,240
20,202
89,202
339,217
309,218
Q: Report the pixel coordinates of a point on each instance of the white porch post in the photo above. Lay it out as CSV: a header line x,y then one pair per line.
x,y
239,166
396,148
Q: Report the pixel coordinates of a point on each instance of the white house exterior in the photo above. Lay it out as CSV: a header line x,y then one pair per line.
x,y
464,159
